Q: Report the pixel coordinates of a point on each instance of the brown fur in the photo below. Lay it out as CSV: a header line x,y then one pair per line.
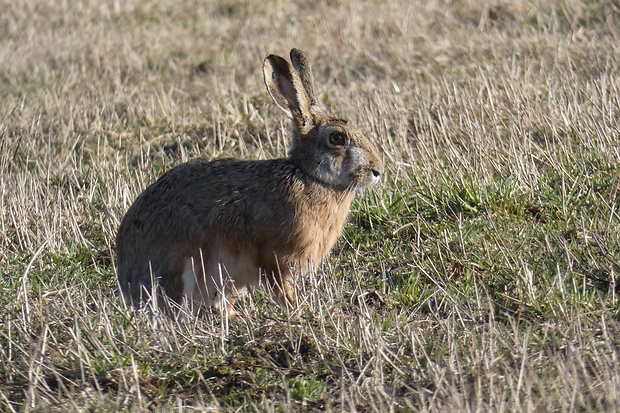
x,y
226,224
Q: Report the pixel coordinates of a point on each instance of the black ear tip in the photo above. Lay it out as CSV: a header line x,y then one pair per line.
x,y
277,63
297,54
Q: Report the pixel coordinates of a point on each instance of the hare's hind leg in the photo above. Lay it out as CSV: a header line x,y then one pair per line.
x,y
136,285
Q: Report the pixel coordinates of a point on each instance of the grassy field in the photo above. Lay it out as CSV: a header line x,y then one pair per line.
x,y
479,276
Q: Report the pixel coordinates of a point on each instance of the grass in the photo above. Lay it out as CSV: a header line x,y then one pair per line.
x,y
481,275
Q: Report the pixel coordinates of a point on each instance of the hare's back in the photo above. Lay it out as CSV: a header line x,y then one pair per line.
x,y
185,204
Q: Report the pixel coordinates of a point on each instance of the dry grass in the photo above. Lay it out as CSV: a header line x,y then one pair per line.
x,y
480,276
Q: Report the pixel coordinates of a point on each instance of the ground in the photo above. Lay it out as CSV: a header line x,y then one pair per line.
x,y
480,275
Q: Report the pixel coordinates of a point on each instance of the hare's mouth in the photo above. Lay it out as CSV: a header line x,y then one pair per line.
x,y
364,177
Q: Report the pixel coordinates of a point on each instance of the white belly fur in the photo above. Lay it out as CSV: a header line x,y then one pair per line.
x,y
212,281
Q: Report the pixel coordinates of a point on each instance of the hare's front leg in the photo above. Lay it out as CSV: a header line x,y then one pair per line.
x,y
282,283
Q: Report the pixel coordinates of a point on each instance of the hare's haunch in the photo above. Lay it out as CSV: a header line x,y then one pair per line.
x,y
208,230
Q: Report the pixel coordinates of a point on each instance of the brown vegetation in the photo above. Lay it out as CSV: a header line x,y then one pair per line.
x,y
479,277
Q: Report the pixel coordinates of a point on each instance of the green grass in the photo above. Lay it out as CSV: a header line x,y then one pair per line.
x,y
480,275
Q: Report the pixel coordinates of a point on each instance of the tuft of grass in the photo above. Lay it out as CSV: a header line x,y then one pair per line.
x,y
479,276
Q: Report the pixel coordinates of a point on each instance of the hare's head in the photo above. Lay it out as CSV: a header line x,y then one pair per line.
x,y
328,149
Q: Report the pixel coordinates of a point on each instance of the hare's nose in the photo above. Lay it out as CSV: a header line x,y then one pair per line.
x,y
376,173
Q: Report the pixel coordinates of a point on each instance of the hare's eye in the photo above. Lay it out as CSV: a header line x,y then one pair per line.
x,y
337,139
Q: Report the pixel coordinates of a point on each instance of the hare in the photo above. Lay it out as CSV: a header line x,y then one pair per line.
x,y
206,231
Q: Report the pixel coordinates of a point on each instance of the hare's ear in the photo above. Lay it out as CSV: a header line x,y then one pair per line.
x,y
302,65
288,91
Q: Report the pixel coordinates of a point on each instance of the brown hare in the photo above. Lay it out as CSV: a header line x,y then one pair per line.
x,y
206,231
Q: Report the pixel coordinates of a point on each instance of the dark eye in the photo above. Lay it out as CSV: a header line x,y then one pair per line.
x,y
337,139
